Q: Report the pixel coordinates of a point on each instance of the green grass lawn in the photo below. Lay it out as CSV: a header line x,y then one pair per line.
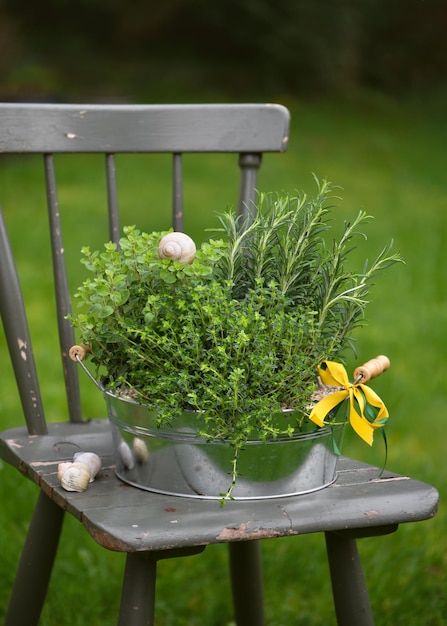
x,y
389,158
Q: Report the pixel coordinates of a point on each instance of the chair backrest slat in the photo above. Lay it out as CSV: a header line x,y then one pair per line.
x,y
247,130
143,128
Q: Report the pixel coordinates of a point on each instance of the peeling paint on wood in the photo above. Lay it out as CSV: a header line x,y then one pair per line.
x,y
243,532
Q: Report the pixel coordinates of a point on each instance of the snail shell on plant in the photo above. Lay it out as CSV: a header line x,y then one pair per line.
x,y
76,477
91,460
140,450
178,246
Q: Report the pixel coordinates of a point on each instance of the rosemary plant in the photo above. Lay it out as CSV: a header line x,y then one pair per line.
x,y
285,241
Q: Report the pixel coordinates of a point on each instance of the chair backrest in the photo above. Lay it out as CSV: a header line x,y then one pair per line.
x,y
247,130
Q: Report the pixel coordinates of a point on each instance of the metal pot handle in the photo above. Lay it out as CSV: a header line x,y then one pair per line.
x,y
77,354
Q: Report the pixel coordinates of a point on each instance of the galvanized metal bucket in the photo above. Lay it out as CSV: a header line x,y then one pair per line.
x,y
175,460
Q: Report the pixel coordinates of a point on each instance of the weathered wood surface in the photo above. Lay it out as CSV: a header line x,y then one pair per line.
x,y
124,518
143,128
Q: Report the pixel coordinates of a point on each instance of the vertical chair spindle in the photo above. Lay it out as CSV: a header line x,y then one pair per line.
x,y
112,199
249,165
177,192
63,303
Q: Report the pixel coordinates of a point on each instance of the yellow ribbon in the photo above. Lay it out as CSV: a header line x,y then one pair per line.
x,y
334,374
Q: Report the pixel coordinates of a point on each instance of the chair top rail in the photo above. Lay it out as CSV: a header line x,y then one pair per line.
x,y
54,128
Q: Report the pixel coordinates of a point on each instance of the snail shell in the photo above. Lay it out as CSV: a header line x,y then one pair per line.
x,y
91,460
177,246
62,468
76,477
140,450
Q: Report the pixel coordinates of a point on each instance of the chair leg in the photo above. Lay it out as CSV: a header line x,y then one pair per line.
x,y
247,583
36,564
349,590
138,596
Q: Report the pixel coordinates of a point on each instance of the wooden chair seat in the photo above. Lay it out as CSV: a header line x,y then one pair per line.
x,y
117,517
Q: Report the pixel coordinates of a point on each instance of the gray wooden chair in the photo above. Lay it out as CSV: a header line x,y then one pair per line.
x,y
358,504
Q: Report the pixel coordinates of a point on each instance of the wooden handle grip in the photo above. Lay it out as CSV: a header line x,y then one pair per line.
x,y
371,368
79,351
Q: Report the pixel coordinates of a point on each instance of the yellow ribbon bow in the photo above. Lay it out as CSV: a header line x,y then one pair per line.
x,y
360,395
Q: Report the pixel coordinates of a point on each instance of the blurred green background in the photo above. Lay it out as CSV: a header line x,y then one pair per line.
x,y
195,48
366,85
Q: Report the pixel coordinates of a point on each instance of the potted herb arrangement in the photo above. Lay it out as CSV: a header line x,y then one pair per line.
x,y
209,357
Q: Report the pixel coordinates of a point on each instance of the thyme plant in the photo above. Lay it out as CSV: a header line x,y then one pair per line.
x,y
239,333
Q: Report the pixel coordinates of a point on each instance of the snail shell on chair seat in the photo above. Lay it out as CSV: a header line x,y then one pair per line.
x,y
76,477
62,468
178,246
91,460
